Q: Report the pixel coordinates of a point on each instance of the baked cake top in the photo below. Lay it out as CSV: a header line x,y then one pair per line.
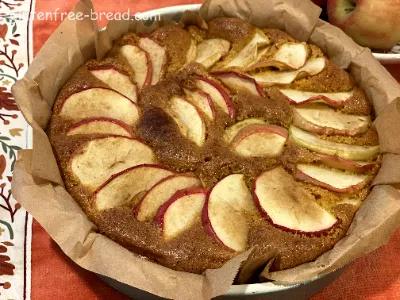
x,y
188,146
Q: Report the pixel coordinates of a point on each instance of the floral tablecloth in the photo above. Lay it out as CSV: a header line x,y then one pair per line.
x,y
31,264
15,223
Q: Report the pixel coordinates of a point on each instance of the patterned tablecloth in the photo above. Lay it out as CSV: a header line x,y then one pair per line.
x,y
31,264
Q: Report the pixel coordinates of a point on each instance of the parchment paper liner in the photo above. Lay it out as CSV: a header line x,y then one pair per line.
x,y
38,186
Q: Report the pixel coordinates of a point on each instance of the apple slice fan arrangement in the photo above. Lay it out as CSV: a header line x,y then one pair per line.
x,y
189,146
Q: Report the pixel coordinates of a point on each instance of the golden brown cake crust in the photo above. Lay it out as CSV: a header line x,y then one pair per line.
x,y
194,251
176,41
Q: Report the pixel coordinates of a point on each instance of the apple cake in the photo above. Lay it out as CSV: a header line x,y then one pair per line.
x,y
190,145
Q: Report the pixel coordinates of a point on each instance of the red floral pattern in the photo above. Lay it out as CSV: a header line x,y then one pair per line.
x,y
6,268
3,31
7,100
13,58
2,165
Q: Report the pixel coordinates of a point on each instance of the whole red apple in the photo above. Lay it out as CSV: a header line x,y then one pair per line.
x,y
371,23
319,2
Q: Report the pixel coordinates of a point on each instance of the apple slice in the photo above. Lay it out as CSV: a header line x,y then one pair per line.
x,y
202,101
321,119
123,187
232,131
344,164
161,192
101,126
224,213
311,68
191,54
260,56
188,119
180,211
140,62
157,55
291,55
331,179
217,94
314,143
212,50
249,53
332,99
288,206
96,160
237,81
117,81
97,103
260,140
351,201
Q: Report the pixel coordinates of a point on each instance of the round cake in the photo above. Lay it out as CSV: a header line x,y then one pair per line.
x,y
190,145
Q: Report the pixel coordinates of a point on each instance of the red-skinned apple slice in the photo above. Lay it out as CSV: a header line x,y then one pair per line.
x,y
344,164
332,99
161,192
96,160
158,57
311,68
249,53
237,81
212,50
99,102
224,213
117,81
260,140
123,187
331,179
188,119
101,126
314,143
202,101
288,206
218,95
319,118
140,62
232,131
291,55
180,211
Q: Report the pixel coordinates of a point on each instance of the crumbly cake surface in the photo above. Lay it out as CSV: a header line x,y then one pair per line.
x,y
194,250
